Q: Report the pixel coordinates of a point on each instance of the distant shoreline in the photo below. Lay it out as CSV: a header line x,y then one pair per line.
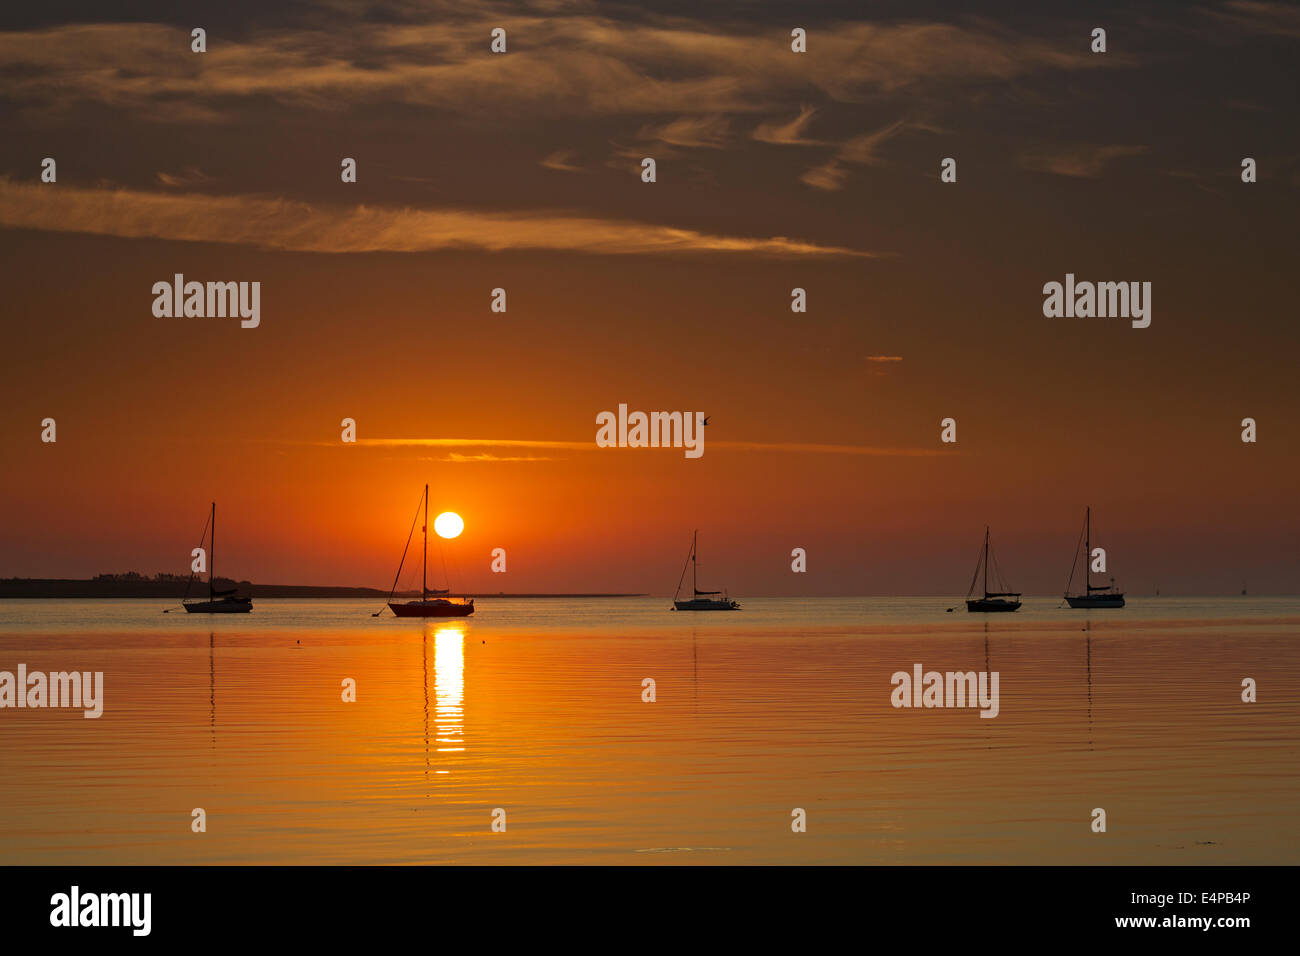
x,y
154,589
68,588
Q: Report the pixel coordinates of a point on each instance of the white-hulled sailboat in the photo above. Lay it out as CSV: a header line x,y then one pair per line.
x,y
701,600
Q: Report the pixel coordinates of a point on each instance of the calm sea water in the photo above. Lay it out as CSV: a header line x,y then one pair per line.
x,y
535,707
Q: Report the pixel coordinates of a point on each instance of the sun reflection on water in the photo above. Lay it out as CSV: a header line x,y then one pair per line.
x,y
449,688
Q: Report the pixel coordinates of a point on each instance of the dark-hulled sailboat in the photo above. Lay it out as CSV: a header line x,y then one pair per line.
x,y
702,600
218,602
1103,596
427,606
992,601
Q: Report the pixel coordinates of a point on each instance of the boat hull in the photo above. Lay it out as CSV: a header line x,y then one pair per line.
x,y
1095,600
224,606
437,608
991,605
705,605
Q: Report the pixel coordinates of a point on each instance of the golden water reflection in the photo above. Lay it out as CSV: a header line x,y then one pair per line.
x,y
751,720
449,688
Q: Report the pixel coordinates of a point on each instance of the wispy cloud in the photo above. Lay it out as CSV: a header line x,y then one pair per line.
x,y
487,456
1253,16
694,131
805,447
192,176
303,227
828,176
568,61
686,81
562,160
814,448
789,133
881,364
468,443
860,150
1083,162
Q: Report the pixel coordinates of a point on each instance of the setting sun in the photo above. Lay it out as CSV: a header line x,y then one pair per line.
x,y
448,524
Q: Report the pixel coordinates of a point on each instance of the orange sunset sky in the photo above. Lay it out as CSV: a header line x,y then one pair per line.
x,y
775,170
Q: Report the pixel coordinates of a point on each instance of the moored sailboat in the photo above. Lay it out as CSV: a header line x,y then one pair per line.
x,y
427,606
219,601
1100,596
702,600
993,601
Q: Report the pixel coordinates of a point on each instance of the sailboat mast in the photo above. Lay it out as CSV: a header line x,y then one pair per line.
x,y
212,553
1087,550
986,561
424,567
